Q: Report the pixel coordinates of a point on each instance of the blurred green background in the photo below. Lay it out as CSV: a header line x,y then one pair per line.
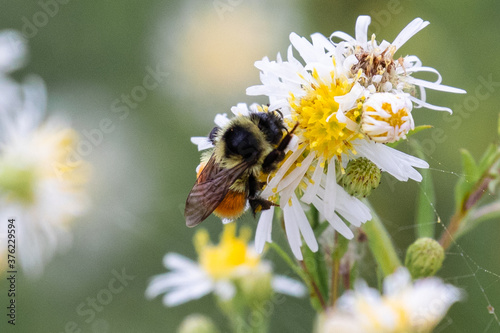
x,y
91,54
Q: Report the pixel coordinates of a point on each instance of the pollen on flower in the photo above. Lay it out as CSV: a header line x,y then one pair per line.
x,y
222,261
316,115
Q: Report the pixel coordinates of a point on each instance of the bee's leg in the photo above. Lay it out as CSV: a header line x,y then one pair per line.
x,y
254,186
257,203
271,159
213,134
278,154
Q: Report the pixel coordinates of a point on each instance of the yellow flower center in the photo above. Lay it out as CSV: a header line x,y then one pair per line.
x,y
223,260
396,119
318,124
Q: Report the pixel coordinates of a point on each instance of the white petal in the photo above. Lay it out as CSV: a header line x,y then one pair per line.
x,y
304,226
241,109
288,286
351,208
221,120
397,282
263,228
434,86
342,35
297,172
330,190
409,31
164,282
421,103
416,69
397,163
292,230
335,221
12,50
268,191
176,261
186,294
312,187
202,142
322,42
362,24
225,290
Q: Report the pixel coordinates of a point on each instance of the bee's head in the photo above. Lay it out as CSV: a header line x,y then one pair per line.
x,y
270,124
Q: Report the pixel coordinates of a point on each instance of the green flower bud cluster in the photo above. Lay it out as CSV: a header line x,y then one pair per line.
x,y
360,178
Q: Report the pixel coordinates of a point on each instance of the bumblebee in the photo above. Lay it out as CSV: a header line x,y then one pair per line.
x,y
247,148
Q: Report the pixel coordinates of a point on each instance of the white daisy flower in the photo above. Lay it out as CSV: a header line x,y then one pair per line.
x,y
341,115
375,63
405,306
220,268
40,186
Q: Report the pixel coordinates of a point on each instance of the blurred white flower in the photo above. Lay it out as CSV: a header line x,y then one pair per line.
x,y
41,178
13,51
404,307
219,269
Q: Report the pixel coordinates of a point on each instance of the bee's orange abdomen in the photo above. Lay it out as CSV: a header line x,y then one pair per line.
x,y
232,206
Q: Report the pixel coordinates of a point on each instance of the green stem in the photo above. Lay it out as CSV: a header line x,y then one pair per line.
x,y
335,281
304,273
289,262
314,217
381,245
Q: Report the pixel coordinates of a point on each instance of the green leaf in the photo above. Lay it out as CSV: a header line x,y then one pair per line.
x,y
318,231
498,125
340,248
380,243
488,158
425,201
477,216
466,182
354,274
289,261
315,263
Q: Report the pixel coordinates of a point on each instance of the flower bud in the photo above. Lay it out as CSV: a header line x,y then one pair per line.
x,y
360,178
197,323
387,117
424,258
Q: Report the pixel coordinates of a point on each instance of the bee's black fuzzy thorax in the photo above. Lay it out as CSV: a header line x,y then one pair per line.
x,y
270,124
242,142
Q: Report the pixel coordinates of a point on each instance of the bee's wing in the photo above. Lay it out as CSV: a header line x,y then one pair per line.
x,y
209,190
